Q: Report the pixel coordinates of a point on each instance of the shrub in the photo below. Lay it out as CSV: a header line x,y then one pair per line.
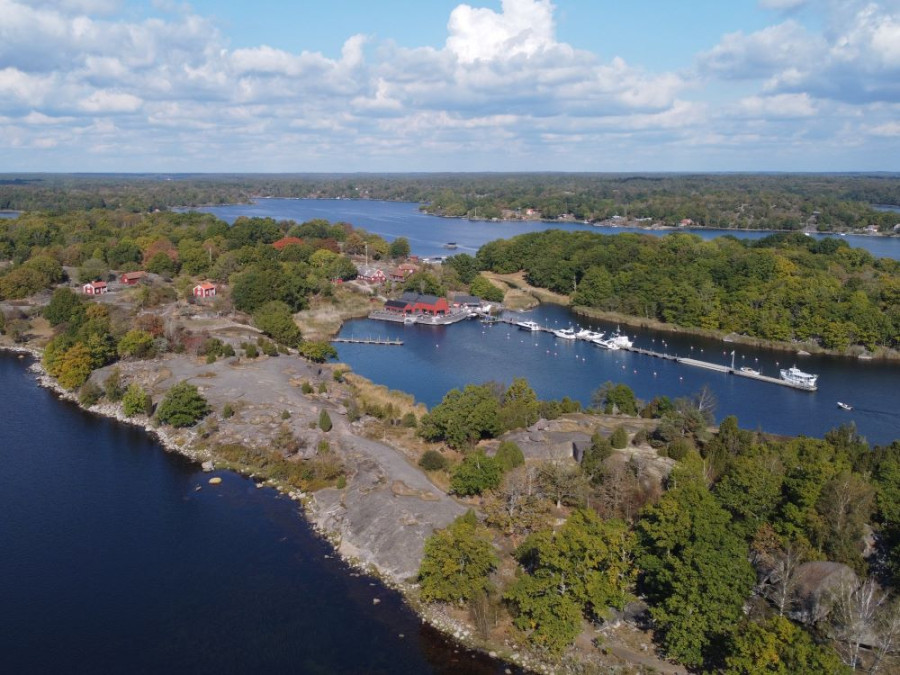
x,y
285,415
679,448
619,438
250,350
409,421
509,455
89,393
276,320
317,352
432,460
306,388
640,437
112,385
227,411
182,406
325,421
136,401
475,474
323,389
136,343
210,358
324,447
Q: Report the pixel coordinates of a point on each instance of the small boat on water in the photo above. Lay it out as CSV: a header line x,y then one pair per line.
x,y
588,335
798,378
529,325
451,245
565,333
615,341
409,320
749,370
844,406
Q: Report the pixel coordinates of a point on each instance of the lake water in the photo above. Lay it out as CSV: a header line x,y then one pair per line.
x,y
119,557
435,359
428,234
9,214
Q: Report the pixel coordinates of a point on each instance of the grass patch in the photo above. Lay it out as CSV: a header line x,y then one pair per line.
x,y
309,475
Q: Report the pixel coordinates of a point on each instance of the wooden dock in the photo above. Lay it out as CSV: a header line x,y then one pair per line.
x,y
369,341
718,368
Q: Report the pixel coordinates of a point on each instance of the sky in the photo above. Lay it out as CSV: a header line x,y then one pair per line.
x,y
439,85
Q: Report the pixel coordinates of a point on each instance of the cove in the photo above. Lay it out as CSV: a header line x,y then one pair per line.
x,y
435,359
119,557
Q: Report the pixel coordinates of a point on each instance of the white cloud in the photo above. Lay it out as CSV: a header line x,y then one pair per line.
x,y
110,102
782,5
523,27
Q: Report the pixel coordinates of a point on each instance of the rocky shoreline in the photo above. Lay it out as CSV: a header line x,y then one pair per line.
x,y
333,515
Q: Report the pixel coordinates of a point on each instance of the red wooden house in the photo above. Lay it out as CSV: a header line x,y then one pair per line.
x,y
413,303
95,288
132,278
205,290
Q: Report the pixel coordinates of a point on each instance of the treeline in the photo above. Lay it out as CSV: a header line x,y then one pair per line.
x,y
832,202
729,550
785,287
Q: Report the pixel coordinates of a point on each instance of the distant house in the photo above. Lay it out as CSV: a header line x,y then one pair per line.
x,y
403,272
205,290
132,278
372,275
286,241
685,222
414,303
95,288
468,301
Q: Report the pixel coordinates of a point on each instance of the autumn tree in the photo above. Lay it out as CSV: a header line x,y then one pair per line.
x,y
457,562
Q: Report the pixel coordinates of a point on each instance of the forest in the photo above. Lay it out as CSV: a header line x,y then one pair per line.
x,y
784,287
754,554
788,202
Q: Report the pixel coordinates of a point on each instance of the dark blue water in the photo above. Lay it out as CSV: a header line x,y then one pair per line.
x,y
428,234
434,360
9,214
111,561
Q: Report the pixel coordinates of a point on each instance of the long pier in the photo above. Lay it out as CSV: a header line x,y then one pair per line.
x,y
369,341
697,363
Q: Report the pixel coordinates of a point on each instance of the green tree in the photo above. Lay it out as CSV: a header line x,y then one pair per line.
x,y
464,265
432,460
509,456
615,399
485,290
463,417
182,406
476,474
619,438
694,569
65,306
136,401
520,407
457,562
136,343
399,247
276,320
317,351
582,569
778,646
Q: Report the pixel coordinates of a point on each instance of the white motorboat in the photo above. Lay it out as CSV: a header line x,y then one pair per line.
x,y
749,370
565,333
844,406
529,325
588,335
799,379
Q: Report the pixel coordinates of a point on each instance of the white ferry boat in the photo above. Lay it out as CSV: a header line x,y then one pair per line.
x,y
798,378
565,333
529,325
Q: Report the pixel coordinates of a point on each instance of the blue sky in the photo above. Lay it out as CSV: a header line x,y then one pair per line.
x,y
404,85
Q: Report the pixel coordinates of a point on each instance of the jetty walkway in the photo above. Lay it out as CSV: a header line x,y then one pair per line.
x,y
369,341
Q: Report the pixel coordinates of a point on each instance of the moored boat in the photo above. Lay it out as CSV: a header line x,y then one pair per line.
x,y
588,335
529,325
749,370
798,378
565,333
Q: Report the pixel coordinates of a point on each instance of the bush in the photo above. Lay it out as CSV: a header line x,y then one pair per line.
x,y
317,352
640,437
227,411
112,386
250,350
325,421
409,421
509,455
276,320
89,393
285,415
619,438
136,401
432,460
679,448
475,474
323,389
183,406
306,388
210,358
